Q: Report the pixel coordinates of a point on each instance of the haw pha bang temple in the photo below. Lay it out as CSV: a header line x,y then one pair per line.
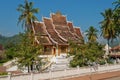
x,y
55,33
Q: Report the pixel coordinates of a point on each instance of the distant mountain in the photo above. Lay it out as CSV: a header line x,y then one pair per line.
x,y
16,38
6,40
115,42
2,39
103,41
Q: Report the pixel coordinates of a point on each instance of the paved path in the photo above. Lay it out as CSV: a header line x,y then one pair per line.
x,y
115,75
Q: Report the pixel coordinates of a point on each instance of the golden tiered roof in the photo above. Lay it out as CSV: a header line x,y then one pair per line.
x,y
57,30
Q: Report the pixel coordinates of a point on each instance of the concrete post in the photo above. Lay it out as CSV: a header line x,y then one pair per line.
x,y
31,76
50,73
65,70
78,68
9,76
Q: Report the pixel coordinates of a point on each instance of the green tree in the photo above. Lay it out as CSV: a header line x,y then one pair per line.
x,y
29,46
117,16
27,16
117,4
11,51
107,25
88,52
92,34
73,48
28,52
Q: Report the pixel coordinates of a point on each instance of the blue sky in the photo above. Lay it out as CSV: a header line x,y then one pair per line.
x,y
83,13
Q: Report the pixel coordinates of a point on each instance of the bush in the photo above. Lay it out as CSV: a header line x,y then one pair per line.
x,y
78,62
73,63
3,73
110,61
102,62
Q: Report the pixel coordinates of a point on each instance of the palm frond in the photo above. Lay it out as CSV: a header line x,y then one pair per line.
x,y
35,10
27,13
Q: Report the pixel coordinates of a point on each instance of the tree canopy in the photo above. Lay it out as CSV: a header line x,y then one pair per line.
x,y
28,52
91,34
27,16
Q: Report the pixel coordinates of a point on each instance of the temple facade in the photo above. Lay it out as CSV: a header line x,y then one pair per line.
x,y
54,34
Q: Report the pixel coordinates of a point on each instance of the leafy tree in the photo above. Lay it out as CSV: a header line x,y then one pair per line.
x,y
10,47
92,34
88,52
117,16
117,4
108,27
11,51
27,16
28,52
73,47
29,47
91,51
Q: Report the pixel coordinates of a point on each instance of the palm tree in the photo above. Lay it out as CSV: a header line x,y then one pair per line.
x,y
107,25
27,19
117,22
27,16
28,53
92,34
117,16
117,4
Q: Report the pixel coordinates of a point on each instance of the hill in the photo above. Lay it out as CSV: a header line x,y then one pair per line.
x,y
7,40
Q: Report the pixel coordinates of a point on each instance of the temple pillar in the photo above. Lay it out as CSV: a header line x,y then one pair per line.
x,y
57,50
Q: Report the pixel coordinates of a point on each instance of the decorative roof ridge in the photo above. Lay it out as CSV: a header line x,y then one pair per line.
x,y
49,35
58,32
72,33
45,18
70,26
33,28
36,39
37,21
49,39
61,36
79,30
55,32
69,22
45,31
76,27
55,14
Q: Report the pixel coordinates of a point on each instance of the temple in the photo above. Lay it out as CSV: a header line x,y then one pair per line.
x,y
54,34
115,52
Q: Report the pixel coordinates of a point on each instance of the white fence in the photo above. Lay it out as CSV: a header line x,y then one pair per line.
x,y
60,74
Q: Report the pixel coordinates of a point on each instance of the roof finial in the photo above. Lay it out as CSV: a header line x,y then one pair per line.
x,y
58,13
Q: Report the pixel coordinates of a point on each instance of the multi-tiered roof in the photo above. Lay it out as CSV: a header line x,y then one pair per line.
x,y
57,30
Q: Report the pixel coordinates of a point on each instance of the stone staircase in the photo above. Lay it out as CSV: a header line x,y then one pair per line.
x,y
61,63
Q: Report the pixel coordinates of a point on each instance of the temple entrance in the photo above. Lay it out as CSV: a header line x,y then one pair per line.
x,y
54,51
63,49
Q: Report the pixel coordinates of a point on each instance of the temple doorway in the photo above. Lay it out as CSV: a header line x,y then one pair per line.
x,y
54,51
